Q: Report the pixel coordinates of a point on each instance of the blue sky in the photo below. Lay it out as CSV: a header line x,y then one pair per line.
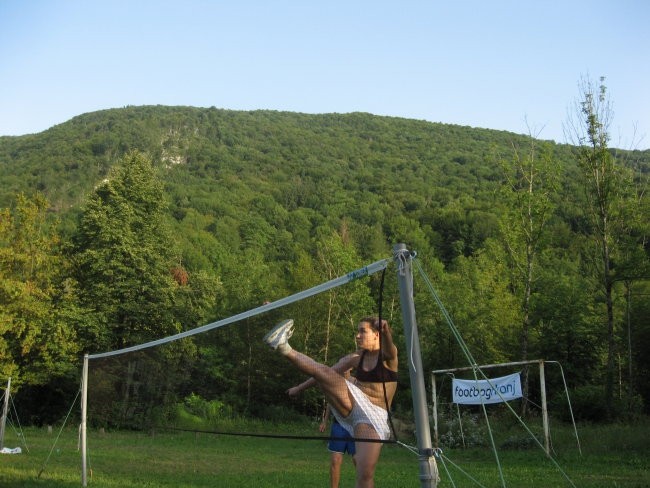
x,y
512,65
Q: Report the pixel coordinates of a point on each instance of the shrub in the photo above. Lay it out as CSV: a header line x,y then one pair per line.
x,y
588,404
205,409
465,431
196,412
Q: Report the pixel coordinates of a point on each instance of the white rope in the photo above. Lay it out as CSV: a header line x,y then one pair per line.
x,y
413,449
438,453
342,280
477,370
18,432
65,421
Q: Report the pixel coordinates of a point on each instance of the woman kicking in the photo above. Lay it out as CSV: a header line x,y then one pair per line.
x,y
359,404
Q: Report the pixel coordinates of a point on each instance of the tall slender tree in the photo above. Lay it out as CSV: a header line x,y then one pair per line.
x,y
609,195
337,256
530,182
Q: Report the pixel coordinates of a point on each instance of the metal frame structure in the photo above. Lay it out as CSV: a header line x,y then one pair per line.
x,y
428,467
542,381
428,472
5,411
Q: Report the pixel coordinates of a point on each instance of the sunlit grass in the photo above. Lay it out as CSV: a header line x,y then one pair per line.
x,y
612,456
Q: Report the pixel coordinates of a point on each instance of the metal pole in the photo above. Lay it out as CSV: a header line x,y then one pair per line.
x,y
428,467
84,412
434,400
542,385
5,410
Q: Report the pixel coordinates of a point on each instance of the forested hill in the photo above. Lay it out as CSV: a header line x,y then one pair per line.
x,y
406,176
266,201
312,159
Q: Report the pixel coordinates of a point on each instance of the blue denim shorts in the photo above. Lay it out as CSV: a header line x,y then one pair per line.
x,y
340,445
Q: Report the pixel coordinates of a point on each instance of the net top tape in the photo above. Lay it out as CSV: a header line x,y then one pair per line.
x,y
342,280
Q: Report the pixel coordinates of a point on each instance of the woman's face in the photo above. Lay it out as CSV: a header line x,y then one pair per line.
x,y
367,337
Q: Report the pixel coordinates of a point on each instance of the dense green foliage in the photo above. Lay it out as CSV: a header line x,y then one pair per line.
x,y
170,217
37,318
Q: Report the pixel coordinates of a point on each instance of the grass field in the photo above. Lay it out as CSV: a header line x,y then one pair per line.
x,y
613,456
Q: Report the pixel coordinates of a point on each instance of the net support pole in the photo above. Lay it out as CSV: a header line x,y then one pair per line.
x,y
82,427
5,412
547,432
427,463
434,405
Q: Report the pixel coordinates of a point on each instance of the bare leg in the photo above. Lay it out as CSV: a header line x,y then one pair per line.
x,y
336,391
331,383
335,469
367,455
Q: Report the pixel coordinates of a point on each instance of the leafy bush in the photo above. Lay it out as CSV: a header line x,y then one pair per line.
x,y
276,413
197,412
588,404
519,442
463,431
205,409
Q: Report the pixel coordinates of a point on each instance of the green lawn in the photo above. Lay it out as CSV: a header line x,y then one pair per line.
x,y
612,456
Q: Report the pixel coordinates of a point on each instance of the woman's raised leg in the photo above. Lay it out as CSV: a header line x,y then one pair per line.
x,y
331,383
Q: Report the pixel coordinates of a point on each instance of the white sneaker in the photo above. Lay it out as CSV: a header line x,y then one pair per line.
x,y
280,334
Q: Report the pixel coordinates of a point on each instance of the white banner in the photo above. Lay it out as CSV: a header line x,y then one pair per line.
x,y
476,392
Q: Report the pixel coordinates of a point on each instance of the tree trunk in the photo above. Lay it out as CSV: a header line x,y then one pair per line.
x,y
525,336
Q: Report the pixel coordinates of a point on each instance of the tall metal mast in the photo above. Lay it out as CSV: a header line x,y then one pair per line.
x,y
427,463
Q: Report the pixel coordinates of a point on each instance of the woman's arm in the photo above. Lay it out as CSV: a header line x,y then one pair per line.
x,y
326,416
388,348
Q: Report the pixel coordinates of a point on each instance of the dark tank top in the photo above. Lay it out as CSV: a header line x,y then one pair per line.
x,y
378,374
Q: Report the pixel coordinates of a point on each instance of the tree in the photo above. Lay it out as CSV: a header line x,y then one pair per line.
x,y
633,268
124,257
530,183
609,196
343,307
482,306
37,319
568,325
249,281
328,321
133,281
